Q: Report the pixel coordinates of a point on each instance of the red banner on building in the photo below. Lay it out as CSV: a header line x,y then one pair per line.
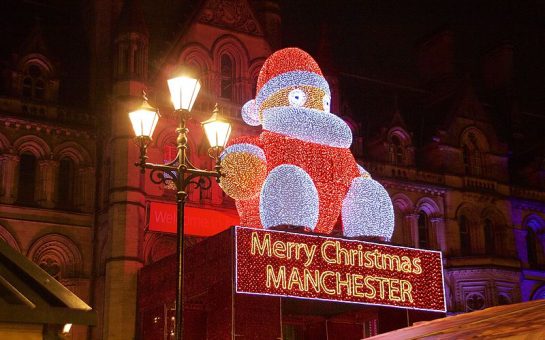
x,y
325,268
162,217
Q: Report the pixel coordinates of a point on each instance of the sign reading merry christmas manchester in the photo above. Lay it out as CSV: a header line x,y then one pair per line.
x,y
324,268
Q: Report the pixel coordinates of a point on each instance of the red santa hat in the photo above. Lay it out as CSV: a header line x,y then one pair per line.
x,y
288,67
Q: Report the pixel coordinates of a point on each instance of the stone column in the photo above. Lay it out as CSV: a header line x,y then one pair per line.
x,y
46,188
438,226
126,218
8,178
411,223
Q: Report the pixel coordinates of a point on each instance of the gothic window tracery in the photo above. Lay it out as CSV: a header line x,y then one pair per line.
x,y
399,147
227,77
33,86
474,301
472,153
51,266
58,255
397,154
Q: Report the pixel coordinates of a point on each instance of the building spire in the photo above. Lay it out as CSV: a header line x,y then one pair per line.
x,y
131,42
35,42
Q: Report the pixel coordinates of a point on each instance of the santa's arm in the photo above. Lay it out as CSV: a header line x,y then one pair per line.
x,y
244,167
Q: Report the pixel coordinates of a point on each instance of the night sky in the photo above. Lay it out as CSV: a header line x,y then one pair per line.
x,y
370,38
377,38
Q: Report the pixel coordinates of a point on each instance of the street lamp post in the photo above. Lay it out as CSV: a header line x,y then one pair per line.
x,y
180,171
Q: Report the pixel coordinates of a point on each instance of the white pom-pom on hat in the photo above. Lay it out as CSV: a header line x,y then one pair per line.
x,y
249,113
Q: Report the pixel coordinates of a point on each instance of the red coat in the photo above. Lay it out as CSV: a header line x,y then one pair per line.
x,y
332,170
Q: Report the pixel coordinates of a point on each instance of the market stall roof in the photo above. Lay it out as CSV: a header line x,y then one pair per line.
x,y
28,294
517,321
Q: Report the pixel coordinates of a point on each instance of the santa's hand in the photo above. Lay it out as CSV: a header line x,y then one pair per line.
x,y
244,167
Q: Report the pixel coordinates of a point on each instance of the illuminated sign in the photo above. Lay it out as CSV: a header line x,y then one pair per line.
x,y
162,217
325,268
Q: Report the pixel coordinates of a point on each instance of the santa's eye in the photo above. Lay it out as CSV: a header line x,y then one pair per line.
x,y
327,103
297,97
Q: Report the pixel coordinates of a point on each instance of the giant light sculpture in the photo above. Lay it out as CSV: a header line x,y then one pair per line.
x,y
299,171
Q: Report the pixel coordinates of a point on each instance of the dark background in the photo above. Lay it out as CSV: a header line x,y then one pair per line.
x,y
369,38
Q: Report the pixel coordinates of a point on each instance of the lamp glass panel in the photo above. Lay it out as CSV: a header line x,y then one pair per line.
x,y
144,122
183,92
217,132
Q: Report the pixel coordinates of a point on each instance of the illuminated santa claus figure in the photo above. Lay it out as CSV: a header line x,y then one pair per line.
x,y
299,171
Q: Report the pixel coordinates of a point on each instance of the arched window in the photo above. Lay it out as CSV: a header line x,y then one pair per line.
x,y
473,163
227,77
423,231
66,182
27,178
531,249
34,83
397,154
489,237
465,236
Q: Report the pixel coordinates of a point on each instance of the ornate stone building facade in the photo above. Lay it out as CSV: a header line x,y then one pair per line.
x,y
72,200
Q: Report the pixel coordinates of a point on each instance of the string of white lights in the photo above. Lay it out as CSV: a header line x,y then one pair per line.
x,y
309,125
367,210
289,197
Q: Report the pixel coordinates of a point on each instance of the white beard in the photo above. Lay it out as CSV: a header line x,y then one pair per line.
x,y
308,125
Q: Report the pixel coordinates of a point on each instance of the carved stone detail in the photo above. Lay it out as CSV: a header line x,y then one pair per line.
x,y
231,14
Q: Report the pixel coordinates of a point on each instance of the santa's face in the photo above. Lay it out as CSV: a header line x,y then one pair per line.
x,y
302,112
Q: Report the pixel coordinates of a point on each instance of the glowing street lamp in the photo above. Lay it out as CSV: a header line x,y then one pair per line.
x,y
183,93
217,130
144,120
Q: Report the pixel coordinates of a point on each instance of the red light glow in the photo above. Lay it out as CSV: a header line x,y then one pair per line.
x,y
198,221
